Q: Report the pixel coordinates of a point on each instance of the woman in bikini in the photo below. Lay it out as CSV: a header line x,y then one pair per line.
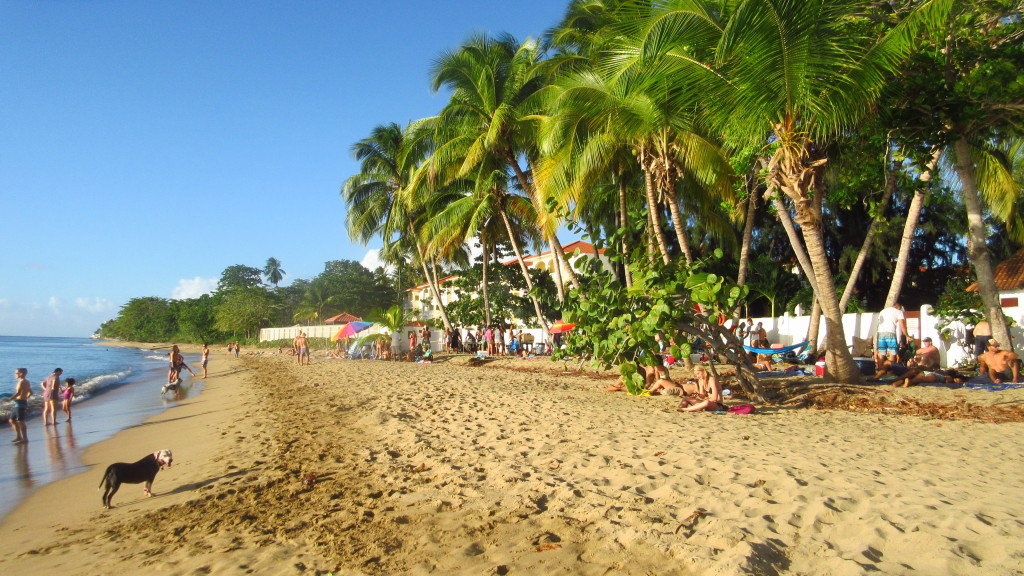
x,y
708,397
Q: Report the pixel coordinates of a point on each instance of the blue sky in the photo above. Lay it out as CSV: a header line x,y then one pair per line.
x,y
146,146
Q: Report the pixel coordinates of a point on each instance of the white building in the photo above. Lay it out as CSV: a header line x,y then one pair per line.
x,y
420,299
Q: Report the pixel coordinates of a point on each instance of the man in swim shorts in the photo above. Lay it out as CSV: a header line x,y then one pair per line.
x,y
301,348
22,392
892,327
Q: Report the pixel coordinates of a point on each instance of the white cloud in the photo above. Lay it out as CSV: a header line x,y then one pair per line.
x,y
193,287
95,305
372,261
55,304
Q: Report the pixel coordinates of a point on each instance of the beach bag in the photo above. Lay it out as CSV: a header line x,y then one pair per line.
x,y
741,409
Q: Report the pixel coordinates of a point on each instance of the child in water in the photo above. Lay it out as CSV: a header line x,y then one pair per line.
x,y
67,394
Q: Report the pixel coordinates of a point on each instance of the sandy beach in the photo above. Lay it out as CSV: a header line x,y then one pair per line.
x,y
366,467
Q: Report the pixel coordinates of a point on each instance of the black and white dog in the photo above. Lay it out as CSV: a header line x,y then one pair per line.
x,y
142,471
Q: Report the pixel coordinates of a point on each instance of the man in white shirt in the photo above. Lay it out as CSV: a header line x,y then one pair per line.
x,y
892,329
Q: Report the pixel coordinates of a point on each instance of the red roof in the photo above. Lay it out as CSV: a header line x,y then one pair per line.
x,y
569,249
342,318
1009,274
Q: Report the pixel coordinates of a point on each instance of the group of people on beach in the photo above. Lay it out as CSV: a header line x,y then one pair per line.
x,y
494,339
995,364
52,392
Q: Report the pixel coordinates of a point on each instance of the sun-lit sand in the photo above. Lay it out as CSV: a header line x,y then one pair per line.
x,y
366,467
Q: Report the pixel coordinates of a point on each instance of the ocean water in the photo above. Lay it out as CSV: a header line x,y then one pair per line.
x,y
115,388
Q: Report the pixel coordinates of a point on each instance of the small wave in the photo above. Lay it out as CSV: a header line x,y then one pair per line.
x,y
84,388
161,358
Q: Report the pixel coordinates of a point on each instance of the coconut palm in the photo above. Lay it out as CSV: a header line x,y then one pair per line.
x,y
273,272
381,198
487,125
793,75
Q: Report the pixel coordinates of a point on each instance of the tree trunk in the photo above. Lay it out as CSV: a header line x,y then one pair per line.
x,y
652,216
869,237
679,224
624,225
562,265
432,282
522,265
748,231
910,227
795,178
485,259
813,328
977,246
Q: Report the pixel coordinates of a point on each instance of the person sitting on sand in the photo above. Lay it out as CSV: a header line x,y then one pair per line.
x,y
708,395
669,387
651,375
916,376
927,356
999,365
763,362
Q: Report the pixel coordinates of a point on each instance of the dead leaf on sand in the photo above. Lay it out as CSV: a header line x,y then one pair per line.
x,y
691,519
548,546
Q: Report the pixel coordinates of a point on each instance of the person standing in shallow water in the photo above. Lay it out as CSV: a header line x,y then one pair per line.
x,y
51,395
206,357
22,392
67,395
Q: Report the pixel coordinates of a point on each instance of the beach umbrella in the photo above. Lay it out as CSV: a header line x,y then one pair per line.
x,y
351,329
561,326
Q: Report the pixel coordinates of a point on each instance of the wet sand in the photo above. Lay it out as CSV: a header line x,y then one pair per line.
x,y
365,467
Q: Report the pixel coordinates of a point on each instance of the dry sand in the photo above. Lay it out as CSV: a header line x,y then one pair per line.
x,y
445,467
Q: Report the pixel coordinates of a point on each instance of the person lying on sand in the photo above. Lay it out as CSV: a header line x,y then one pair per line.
x,y
916,376
890,369
708,396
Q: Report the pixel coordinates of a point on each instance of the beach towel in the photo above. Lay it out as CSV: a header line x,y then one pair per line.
x,y
990,386
742,409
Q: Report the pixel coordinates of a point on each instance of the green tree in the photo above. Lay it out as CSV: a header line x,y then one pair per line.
x,y
243,311
793,76
273,272
148,319
384,199
239,276
488,124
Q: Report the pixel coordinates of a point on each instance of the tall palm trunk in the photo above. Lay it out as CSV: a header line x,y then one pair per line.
x,y
623,224
977,247
869,237
485,260
678,223
435,289
805,265
795,178
653,221
909,228
748,230
561,262
522,265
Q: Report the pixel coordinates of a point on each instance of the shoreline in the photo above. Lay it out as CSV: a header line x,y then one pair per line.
x,y
366,467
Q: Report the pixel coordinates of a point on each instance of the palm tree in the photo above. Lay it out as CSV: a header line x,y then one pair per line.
x,y
382,197
488,125
273,272
394,319
793,75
